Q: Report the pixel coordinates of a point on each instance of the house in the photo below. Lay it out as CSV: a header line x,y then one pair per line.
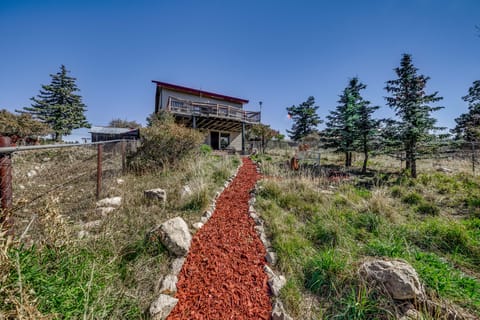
x,y
109,133
221,117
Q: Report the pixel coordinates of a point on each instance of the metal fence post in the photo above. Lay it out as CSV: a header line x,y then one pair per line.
x,y
6,187
124,155
99,170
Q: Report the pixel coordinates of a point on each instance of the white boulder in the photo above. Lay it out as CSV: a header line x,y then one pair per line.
x,y
161,308
175,236
110,202
398,278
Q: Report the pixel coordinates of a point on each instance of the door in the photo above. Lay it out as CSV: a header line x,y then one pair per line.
x,y
215,139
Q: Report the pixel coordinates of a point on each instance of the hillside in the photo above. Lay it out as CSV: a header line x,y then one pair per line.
x,y
322,229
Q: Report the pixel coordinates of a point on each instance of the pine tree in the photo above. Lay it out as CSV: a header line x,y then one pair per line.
x,y
412,107
305,119
468,124
351,126
341,130
58,106
367,129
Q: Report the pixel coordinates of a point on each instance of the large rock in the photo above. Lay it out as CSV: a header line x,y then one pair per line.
x,y
175,236
176,265
110,202
398,278
278,312
161,308
169,284
276,282
156,194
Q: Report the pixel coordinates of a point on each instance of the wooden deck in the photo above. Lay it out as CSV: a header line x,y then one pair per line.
x,y
210,115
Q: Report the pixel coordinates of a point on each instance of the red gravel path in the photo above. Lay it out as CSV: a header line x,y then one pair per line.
x,y
223,277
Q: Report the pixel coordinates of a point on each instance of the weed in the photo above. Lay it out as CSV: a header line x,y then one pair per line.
x,y
427,209
322,234
322,272
397,191
412,198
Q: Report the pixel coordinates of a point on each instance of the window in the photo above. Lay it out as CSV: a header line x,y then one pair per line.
x,y
224,140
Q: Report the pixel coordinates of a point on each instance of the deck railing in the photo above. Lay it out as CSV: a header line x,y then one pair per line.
x,y
186,107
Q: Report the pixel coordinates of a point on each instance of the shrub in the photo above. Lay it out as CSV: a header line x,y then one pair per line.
x,y
163,145
428,209
412,198
205,149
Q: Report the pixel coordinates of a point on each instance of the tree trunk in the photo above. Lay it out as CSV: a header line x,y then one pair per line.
x,y
365,154
348,159
413,168
57,137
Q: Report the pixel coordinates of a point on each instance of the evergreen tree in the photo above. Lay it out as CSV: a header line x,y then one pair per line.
x,y
58,106
468,124
341,130
413,108
367,129
305,119
351,126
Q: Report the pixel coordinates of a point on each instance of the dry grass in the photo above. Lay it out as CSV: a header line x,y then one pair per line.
x,y
115,271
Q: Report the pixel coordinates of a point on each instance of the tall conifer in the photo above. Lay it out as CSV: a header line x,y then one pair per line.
x,y
58,106
413,107
305,119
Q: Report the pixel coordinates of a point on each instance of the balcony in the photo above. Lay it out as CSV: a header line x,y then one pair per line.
x,y
215,112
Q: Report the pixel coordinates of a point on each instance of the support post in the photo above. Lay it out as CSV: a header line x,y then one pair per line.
x,y
99,170
6,221
124,156
473,158
194,120
243,138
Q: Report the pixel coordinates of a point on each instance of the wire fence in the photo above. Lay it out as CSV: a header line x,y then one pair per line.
x,y
65,179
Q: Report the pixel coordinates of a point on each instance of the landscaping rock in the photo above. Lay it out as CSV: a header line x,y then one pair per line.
x,y
276,282
93,224
445,170
31,173
278,312
186,192
271,257
169,284
156,194
398,277
161,308
110,202
83,234
411,314
197,225
208,214
176,265
104,211
175,236
120,181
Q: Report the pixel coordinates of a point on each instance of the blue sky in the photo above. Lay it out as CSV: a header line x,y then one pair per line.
x,y
278,52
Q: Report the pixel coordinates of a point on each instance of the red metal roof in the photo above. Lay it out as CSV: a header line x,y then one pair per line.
x,y
200,93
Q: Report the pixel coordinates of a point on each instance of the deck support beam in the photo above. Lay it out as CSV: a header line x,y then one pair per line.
x,y
243,138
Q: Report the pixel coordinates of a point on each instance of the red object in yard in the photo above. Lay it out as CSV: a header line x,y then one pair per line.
x,y
223,276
